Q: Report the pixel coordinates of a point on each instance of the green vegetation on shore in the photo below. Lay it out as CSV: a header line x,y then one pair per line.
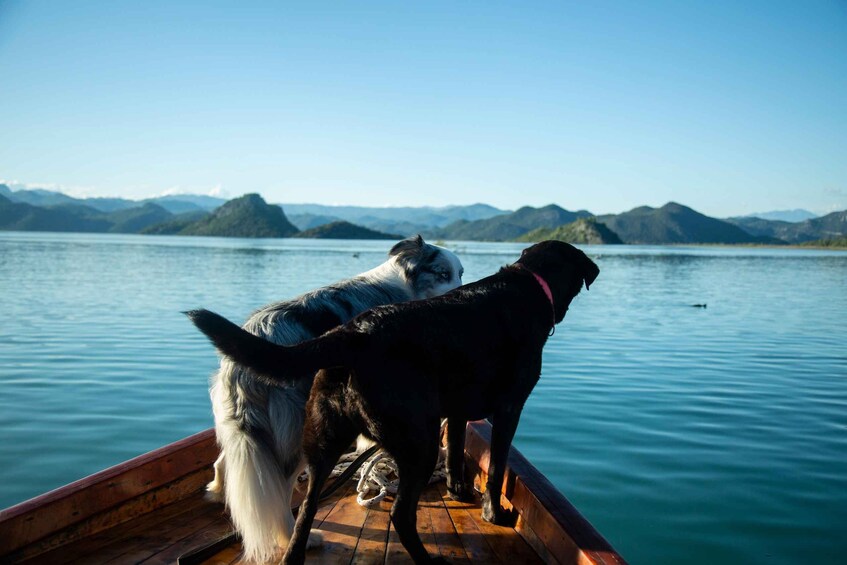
x,y
827,242
583,231
345,230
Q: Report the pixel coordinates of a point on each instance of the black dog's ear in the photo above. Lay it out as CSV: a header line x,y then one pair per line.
x,y
590,272
409,245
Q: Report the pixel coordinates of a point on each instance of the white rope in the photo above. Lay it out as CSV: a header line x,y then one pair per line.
x,y
375,478
379,475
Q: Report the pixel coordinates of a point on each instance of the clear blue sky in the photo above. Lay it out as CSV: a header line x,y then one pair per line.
x,y
730,107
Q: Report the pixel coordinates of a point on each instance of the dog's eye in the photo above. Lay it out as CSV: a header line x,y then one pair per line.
x,y
445,276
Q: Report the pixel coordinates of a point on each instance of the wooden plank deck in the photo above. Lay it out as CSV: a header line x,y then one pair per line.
x,y
362,536
352,535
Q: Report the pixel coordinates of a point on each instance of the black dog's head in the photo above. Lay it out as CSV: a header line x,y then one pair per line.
x,y
564,267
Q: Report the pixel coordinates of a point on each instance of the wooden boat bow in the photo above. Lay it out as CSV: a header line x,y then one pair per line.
x,y
151,509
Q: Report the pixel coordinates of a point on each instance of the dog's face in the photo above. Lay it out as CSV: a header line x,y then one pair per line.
x,y
564,267
429,270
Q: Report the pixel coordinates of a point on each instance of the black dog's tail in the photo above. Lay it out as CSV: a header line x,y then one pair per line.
x,y
274,362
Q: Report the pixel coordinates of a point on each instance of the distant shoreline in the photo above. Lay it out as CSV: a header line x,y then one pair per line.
x,y
754,245
446,242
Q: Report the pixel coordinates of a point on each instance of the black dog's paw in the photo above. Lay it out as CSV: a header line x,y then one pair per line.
x,y
439,561
489,514
496,514
460,492
500,517
489,509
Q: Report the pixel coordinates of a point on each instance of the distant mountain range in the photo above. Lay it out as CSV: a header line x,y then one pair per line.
x,y
175,204
423,215
675,223
824,227
508,227
77,218
400,219
796,215
251,216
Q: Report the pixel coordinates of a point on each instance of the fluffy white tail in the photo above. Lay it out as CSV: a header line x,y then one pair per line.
x,y
258,495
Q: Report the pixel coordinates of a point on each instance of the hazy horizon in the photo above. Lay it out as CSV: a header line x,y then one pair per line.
x,y
729,108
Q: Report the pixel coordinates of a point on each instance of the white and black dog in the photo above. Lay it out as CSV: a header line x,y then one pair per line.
x,y
260,427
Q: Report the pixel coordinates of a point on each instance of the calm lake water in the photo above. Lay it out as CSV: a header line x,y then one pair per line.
x,y
685,435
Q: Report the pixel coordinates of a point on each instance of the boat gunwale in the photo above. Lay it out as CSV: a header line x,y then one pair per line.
x,y
546,518
76,502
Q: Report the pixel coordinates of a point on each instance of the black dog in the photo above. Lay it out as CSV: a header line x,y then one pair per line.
x,y
394,371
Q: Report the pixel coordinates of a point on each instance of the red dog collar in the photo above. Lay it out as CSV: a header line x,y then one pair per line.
x,y
545,287
547,292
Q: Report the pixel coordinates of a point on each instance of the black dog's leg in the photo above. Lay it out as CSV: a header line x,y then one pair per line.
x,y
457,488
502,431
414,465
321,462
